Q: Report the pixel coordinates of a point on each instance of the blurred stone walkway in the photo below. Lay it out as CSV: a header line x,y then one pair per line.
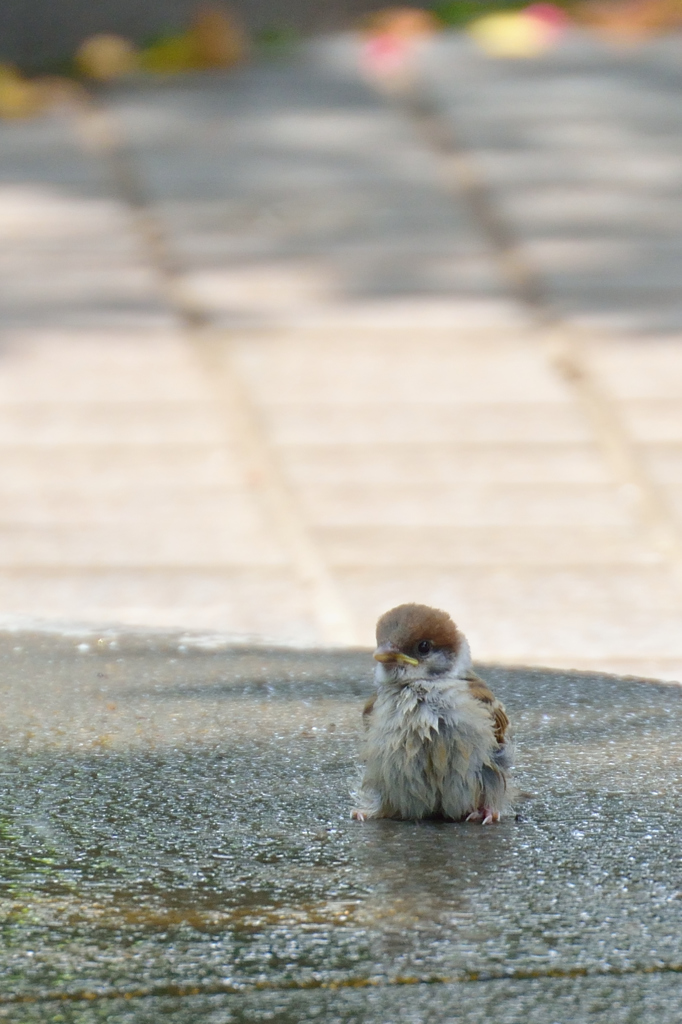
x,y
263,372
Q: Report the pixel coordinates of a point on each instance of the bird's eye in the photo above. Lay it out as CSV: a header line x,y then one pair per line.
x,y
424,647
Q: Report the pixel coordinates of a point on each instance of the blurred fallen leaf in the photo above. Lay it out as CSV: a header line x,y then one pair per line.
x,y
219,39
57,90
458,12
170,55
393,39
106,57
629,20
403,21
18,96
525,33
215,40
276,39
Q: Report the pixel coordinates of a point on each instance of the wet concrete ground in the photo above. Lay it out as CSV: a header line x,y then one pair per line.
x,y
176,845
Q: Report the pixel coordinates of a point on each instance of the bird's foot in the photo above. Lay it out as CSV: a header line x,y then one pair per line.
x,y
486,815
357,815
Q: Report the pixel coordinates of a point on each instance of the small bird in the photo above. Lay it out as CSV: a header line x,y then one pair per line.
x,y
436,739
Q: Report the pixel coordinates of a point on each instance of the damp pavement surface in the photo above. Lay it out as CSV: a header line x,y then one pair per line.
x,y
176,845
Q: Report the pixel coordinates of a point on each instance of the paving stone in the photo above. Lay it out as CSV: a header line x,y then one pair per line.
x,y
582,153
420,436
577,614
317,194
163,465
254,601
134,504
177,514
665,463
462,522
438,504
69,255
640,372
144,535
445,463
107,367
324,424
54,422
645,383
379,368
485,545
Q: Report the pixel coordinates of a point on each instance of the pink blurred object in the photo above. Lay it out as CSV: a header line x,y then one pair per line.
x,y
386,55
552,18
394,39
550,13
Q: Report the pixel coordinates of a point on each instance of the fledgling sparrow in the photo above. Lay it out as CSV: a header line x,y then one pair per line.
x,y
436,740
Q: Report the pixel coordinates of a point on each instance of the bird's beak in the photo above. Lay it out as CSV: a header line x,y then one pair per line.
x,y
389,652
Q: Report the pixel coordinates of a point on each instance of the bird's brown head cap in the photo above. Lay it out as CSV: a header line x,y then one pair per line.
x,y
407,624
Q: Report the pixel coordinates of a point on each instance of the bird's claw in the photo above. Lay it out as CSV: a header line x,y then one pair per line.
x,y
358,815
486,816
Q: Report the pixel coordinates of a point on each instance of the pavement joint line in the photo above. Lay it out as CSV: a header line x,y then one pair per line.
x,y
100,132
334,619
314,984
223,568
565,349
460,174
563,344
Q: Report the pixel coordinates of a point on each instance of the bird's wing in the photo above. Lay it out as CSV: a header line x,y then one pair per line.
x,y
367,710
479,689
